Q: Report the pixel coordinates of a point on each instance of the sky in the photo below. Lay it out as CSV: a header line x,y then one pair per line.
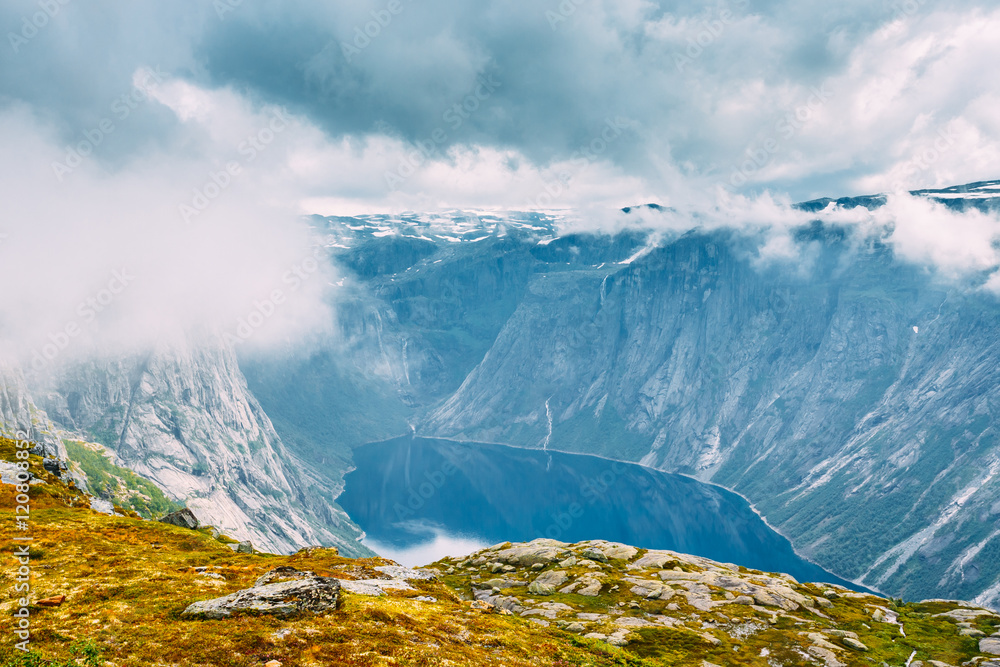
x,y
181,142
488,103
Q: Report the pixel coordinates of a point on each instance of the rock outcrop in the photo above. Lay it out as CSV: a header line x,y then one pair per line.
x,y
615,593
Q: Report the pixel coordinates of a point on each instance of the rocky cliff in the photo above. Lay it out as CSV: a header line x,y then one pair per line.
x,y
20,415
181,416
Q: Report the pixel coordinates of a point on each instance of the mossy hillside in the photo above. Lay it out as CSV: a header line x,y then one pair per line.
x,y
127,580
119,485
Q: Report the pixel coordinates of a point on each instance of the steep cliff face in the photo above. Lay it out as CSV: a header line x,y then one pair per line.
x,y
182,416
20,414
852,402
855,408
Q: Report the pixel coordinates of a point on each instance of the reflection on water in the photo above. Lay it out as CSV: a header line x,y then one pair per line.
x,y
423,553
420,499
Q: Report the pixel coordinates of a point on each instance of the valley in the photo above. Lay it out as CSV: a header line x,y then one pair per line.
x,y
850,399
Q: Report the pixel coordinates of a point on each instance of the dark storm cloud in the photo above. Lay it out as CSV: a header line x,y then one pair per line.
x,y
699,83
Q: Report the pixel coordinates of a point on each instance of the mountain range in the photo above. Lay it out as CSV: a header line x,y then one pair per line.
x,y
851,398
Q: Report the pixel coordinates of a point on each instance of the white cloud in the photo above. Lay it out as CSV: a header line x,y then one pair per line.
x,y
106,257
954,243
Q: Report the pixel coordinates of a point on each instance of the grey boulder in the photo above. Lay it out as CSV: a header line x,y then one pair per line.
x,y
548,583
184,518
990,645
282,598
245,547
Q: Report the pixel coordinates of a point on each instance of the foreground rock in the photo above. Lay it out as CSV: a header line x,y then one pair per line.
x,y
281,592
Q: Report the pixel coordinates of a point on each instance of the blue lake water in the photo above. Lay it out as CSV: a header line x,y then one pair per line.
x,y
420,499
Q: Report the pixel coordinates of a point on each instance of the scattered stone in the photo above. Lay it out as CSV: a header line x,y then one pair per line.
x,y
283,573
826,655
54,601
539,551
851,642
374,587
576,626
317,594
55,466
507,603
500,583
618,551
103,506
971,632
620,638
406,573
633,622
245,547
184,518
766,598
272,663
548,610
548,582
594,554
596,635
653,559
989,645
965,614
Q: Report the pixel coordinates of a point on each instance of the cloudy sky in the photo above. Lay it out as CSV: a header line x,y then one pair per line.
x,y
183,140
601,101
